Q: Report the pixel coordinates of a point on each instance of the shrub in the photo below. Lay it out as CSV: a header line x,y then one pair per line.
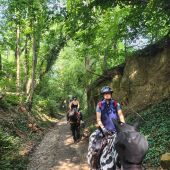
x,y
9,157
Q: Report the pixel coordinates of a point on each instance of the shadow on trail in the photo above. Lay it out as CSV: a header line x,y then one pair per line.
x,y
70,155
58,152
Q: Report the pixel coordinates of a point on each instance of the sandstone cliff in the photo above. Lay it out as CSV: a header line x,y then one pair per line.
x,y
144,79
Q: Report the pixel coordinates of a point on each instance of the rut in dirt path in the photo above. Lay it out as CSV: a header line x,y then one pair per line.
x,y
57,151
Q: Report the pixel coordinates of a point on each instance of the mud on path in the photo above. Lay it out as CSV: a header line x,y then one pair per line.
x,y
57,151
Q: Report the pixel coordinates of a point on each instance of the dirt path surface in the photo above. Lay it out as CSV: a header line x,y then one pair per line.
x,y
57,151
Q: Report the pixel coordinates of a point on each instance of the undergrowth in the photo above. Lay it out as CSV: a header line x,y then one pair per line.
x,y
15,134
155,127
9,155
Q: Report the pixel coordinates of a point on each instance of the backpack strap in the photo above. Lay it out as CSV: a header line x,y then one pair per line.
x,y
115,104
100,104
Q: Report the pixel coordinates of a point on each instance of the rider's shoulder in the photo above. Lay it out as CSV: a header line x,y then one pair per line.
x,y
101,101
116,104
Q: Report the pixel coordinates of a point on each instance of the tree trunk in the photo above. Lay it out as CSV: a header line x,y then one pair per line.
x,y
26,65
34,65
0,62
17,58
28,86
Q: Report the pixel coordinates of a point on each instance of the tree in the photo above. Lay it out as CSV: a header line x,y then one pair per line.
x,y
0,62
17,58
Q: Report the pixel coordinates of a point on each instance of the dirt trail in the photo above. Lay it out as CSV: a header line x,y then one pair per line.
x,y
57,151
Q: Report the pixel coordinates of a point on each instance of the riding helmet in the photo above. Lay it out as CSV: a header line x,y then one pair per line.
x,y
74,97
106,89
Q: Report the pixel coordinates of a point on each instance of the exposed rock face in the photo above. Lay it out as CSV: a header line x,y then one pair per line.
x,y
165,161
143,80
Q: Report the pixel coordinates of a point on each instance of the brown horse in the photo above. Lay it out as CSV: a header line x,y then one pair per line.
x,y
74,119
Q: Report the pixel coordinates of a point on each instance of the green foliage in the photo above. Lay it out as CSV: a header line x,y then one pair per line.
x,y
86,38
74,46
48,98
9,157
51,107
14,135
4,105
12,99
37,23
156,128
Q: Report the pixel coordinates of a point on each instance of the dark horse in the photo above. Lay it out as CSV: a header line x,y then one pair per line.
x,y
131,146
74,118
124,149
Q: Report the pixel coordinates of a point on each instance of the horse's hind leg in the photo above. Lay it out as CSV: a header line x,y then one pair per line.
x,y
78,132
73,129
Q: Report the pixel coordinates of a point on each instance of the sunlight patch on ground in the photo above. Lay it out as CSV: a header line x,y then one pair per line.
x,y
58,152
67,165
26,149
68,140
45,117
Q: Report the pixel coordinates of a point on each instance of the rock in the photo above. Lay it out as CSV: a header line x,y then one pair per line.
x,y
165,161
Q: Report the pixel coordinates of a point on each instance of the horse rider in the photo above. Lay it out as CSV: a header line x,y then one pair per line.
x,y
108,109
74,103
74,117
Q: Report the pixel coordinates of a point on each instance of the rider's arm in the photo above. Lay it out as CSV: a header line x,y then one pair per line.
x,y
120,113
98,117
78,104
70,105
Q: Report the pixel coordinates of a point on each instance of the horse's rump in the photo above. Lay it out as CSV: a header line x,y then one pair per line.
x,y
74,116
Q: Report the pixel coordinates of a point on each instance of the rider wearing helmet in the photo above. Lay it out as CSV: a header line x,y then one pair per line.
x,y
74,103
108,109
74,118
101,150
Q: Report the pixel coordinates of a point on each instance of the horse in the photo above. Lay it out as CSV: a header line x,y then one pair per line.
x,y
131,146
74,118
101,151
125,149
